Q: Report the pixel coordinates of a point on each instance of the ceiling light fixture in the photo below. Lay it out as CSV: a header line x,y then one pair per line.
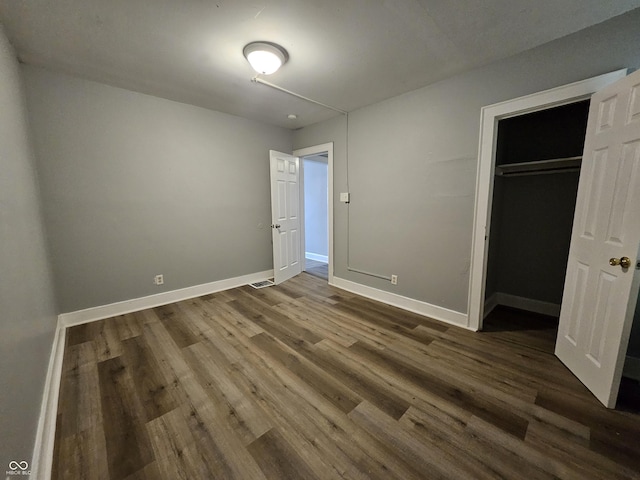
x,y
265,57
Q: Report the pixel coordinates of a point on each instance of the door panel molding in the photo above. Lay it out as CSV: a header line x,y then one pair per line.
x,y
285,207
607,199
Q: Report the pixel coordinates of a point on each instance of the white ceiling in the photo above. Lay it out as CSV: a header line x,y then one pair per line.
x,y
345,53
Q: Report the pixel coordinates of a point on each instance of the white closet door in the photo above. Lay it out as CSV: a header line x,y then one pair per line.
x,y
601,286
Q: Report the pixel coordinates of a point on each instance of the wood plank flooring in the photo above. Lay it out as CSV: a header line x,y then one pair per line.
x,y
317,269
304,381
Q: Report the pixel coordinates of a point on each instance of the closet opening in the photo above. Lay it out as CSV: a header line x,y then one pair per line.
x,y
538,157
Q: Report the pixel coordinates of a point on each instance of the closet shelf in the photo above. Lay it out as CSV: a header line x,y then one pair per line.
x,y
554,165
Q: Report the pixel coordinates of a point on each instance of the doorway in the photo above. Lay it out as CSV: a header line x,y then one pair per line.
x,y
492,231
490,117
316,214
316,184
538,157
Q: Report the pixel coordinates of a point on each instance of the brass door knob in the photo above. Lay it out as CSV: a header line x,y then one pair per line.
x,y
624,262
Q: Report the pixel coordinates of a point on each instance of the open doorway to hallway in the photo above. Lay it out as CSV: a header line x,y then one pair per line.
x,y
315,170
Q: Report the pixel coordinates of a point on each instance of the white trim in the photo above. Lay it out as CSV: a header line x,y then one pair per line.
x,y
42,459
317,257
528,304
489,304
142,303
632,368
305,152
416,306
489,117
301,211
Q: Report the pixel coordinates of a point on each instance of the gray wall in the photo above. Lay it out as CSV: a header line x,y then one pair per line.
x,y
316,206
528,252
413,158
29,315
135,185
634,341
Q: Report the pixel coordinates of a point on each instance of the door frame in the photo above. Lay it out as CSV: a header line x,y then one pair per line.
x,y
489,117
305,152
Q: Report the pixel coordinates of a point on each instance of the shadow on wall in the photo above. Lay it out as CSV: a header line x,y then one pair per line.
x,y
634,340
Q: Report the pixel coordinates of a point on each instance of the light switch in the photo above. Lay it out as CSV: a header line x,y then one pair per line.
x,y
345,197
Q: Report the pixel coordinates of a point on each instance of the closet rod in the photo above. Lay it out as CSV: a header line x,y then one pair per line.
x,y
553,165
538,172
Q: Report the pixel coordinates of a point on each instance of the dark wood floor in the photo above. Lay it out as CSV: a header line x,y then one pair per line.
x,y
304,381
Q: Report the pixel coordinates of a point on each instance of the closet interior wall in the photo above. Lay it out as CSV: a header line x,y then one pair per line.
x,y
532,213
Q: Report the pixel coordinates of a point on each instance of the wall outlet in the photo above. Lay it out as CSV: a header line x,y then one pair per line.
x,y
345,197
158,279
394,279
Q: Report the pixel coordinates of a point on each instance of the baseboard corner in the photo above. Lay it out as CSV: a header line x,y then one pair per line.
x,y
142,303
410,304
528,304
42,459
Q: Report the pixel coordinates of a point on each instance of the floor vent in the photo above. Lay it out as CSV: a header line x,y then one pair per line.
x,y
262,284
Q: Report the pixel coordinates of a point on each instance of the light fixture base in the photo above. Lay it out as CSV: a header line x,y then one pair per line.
x,y
265,57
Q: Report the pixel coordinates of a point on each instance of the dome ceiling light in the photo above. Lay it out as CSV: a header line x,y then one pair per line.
x,y
265,57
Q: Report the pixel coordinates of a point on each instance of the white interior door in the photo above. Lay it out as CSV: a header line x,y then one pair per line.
x,y
600,293
285,214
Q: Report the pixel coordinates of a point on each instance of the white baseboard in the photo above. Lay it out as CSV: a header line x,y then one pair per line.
x,y
632,368
528,304
42,459
120,308
489,304
416,306
317,257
